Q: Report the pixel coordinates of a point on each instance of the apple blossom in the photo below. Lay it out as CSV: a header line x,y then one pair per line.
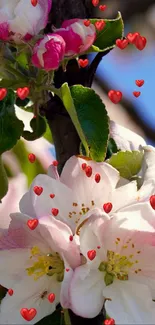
x,y
36,261
121,273
76,194
48,52
18,18
77,36
125,138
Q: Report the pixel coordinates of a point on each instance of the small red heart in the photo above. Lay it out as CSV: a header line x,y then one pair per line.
x,y
109,321
87,23
152,201
136,93
10,292
100,25
91,254
52,196
122,43
32,223
102,7
95,3
3,93
38,190
34,2
23,92
132,37
140,42
67,270
51,297
55,163
83,63
28,314
31,158
115,96
107,207
139,83
55,212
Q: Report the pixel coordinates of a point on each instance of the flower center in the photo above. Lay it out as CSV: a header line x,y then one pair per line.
x,y
49,264
117,266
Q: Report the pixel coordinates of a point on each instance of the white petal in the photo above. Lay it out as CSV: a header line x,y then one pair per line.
x,y
57,236
26,205
124,195
85,188
13,266
27,294
125,138
131,303
52,172
43,204
65,286
86,292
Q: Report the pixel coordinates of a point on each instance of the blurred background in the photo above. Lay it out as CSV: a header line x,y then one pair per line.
x,y
120,68
117,70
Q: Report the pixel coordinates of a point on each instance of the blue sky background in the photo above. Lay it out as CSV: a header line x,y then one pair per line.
x,y
122,69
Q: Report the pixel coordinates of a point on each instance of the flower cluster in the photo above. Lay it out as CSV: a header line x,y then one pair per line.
x,y
20,21
83,239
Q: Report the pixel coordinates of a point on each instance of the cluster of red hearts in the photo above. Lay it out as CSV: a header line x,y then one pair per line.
x,y
116,95
132,38
22,93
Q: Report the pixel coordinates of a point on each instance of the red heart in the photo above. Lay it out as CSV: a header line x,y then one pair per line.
x,y
83,63
51,297
132,37
55,212
38,190
91,254
10,292
3,93
34,2
28,314
102,7
140,42
67,270
32,223
31,157
122,43
115,96
107,207
100,24
139,83
95,3
23,92
86,23
52,196
152,201
136,93
109,321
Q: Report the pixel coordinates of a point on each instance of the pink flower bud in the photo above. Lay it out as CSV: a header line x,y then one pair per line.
x,y
48,52
77,36
20,20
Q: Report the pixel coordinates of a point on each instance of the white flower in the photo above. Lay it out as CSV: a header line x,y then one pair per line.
x,y
120,266
125,138
34,264
19,17
75,194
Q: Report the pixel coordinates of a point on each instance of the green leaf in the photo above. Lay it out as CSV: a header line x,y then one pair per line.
x,y
30,170
38,126
106,38
67,317
112,148
12,83
128,163
11,127
93,119
3,180
22,103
